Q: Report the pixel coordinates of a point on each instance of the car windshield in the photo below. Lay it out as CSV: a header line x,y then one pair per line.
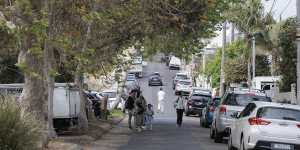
x,y
156,74
244,99
137,60
184,82
181,76
155,77
130,78
203,98
110,94
279,113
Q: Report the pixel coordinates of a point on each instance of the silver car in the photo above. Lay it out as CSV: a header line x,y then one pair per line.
x,y
231,103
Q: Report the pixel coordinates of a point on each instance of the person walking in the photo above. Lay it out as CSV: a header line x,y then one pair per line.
x,y
161,100
140,109
129,105
149,116
179,106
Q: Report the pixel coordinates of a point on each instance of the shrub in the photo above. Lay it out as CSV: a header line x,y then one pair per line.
x,y
19,130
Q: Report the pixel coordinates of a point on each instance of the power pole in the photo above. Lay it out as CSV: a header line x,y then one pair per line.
x,y
253,56
222,76
298,51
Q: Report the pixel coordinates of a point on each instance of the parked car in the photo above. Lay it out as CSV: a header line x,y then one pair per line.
x,y
196,102
94,97
113,98
265,125
131,83
179,76
155,80
232,101
208,112
131,77
175,63
183,87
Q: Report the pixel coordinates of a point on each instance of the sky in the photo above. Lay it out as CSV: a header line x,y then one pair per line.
x,y
287,8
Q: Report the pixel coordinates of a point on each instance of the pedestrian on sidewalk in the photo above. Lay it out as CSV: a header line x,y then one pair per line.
x,y
161,100
149,116
129,105
179,106
140,109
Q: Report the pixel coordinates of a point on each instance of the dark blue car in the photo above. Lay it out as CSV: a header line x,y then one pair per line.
x,y
208,112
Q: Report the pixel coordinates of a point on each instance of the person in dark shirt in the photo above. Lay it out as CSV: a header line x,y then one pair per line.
x,y
129,105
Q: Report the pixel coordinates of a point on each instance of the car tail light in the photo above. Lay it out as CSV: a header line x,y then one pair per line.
x,y
222,109
211,109
258,121
298,125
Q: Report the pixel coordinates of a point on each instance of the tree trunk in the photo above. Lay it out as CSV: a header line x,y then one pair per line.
x,y
232,32
49,62
83,121
104,114
82,118
249,71
34,94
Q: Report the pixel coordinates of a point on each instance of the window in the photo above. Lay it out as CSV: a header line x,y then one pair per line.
x,y
202,98
279,113
226,99
248,110
266,87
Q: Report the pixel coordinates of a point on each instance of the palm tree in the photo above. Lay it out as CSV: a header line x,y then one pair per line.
x,y
250,19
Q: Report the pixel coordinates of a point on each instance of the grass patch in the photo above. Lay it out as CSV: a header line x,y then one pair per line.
x,y
116,113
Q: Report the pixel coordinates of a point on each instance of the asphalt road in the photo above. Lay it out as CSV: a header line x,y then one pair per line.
x,y
165,135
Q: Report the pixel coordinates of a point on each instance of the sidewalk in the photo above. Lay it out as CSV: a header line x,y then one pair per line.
x,y
78,142
119,135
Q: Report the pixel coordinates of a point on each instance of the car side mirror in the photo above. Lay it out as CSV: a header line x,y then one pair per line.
x,y
235,115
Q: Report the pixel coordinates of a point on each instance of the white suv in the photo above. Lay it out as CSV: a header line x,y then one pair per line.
x,y
183,86
265,125
179,76
232,102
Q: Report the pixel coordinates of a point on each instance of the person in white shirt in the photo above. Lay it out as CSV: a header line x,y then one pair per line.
x,y
161,100
179,106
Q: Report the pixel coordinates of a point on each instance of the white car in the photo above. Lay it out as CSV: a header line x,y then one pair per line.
x,y
266,125
113,98
184,86
179,76
175,63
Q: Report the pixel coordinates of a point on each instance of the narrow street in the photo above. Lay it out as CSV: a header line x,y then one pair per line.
x,y
165,134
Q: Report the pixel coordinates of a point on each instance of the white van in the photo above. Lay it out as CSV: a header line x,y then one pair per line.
x,y
175,63
266,84
66,102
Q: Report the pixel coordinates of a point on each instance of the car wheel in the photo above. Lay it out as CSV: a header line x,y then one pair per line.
x,y
230,147
218,137
242,145
211,133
